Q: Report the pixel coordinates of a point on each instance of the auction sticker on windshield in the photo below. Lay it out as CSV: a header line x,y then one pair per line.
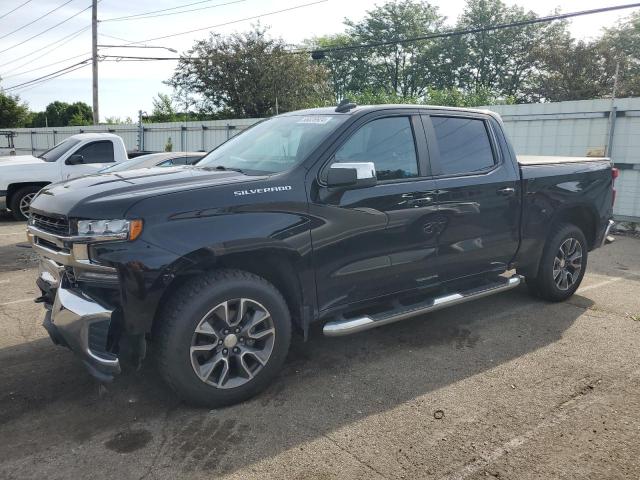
x,y
317,119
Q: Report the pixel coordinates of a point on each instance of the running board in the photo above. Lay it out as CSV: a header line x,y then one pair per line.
x,y
347,326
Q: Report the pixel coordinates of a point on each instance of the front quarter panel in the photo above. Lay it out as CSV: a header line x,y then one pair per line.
x,y
189,231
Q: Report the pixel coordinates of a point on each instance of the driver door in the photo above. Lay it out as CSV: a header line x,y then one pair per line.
x,y
377,240
95,156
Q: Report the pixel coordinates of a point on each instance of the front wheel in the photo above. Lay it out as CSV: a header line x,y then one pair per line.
x,y
223,337
21,201
562,265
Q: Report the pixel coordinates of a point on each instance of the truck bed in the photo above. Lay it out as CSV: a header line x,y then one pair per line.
x,y
550,159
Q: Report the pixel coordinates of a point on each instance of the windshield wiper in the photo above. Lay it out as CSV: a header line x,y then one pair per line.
x,y
222,167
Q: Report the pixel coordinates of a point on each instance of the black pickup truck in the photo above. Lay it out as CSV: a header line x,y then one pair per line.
x,y
354,217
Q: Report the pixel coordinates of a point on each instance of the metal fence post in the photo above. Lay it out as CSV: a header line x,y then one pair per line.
x,y
612,128
32,149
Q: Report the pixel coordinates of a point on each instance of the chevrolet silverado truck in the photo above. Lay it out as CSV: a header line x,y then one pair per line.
x,y
354,217
22,176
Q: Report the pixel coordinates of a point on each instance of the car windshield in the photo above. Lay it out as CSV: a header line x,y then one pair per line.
x,y
53,154
273,145
125,165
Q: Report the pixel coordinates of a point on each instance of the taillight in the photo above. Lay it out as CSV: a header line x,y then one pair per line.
x,y
614,174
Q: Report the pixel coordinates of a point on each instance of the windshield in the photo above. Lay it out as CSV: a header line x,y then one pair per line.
x,y
126,164
60,149
273,145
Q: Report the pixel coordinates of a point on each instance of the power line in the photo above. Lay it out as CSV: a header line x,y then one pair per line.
x,y
254,17
452,33
12,87
48,29
11,11
143,16
34,21
45,66
76,34
39,51
36,84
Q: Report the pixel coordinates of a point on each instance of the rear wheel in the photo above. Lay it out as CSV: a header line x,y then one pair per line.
x,y
562,266
21,200
223,337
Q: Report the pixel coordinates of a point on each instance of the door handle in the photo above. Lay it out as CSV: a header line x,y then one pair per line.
x,y
506,191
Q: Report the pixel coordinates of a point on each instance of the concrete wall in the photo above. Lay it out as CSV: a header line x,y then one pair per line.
x,y
566,128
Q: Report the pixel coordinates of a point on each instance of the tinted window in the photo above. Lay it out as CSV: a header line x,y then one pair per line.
x,y
97,152
387,142
464,144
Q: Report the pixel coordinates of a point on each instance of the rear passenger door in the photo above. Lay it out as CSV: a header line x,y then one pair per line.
x,y
478,195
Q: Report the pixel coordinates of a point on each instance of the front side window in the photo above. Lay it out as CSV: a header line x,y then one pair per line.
x,y
97,152
388,143
464,145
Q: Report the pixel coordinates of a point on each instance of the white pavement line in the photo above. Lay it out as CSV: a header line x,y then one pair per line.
x,y
24,300
484,460
598,285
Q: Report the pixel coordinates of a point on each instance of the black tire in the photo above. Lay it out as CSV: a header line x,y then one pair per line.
x,y
17,198
544,285
187,309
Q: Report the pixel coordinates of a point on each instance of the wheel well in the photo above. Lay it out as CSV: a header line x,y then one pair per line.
x,y
583,218
14,187
275,267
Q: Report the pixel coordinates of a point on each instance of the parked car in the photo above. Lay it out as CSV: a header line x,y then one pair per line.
x,y
355,217
22,176
164,159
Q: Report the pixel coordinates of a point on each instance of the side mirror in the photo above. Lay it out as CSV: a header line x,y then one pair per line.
x,y
355,175
74,160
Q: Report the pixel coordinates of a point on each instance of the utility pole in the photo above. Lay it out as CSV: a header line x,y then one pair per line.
x,y
94,49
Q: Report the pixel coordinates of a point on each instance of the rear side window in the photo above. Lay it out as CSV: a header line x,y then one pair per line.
x,y
464,145
97,152
388,143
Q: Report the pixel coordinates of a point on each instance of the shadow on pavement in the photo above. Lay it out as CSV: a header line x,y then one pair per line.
x,y
47,399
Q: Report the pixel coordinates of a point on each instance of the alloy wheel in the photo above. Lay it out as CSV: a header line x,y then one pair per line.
x,y
567,264
232,343
25,202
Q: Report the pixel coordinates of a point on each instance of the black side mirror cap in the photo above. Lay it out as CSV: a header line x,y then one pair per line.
x,y
74,160
342,177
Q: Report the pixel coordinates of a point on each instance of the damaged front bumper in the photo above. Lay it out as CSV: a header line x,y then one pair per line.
x,y
82,323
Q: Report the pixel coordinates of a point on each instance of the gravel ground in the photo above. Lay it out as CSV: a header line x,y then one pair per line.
x,y
506,387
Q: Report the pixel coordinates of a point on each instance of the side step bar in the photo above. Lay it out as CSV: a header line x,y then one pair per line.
x,y
343,326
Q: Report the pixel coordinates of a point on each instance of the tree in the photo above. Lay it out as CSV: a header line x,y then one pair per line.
x,y
248,75
163,109
406,69
500,61
13,112
62,114
620,46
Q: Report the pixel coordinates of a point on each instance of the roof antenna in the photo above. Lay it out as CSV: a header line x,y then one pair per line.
x,y
345,105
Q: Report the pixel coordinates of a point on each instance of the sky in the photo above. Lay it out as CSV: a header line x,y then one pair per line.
x,y
127,87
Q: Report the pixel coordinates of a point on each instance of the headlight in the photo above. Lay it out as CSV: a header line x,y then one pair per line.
x,y
110,229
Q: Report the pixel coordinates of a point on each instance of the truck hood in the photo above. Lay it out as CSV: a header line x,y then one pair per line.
x,y
20,160
110,195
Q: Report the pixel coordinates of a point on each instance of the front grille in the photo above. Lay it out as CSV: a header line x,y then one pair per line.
x,y
57,226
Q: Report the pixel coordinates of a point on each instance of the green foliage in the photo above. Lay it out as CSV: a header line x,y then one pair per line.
x,y
248,75
62,114
168,147
164,109
13,112
118,121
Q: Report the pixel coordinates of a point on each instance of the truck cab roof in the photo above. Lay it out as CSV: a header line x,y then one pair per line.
x,y
361,109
